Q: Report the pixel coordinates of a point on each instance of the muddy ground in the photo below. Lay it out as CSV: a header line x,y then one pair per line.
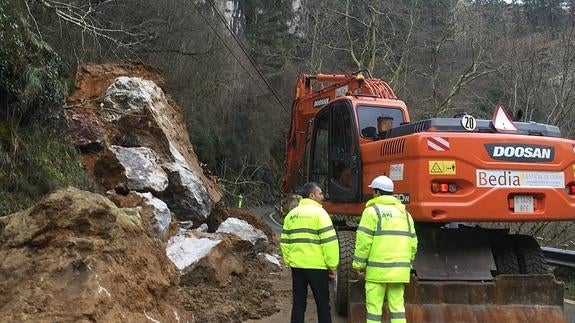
x,y
283,296
262,295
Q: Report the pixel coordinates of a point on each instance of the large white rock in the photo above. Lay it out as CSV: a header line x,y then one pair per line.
x,y
129,95
186,193
144,117
202,258
242,229
142,169
162,214
185,251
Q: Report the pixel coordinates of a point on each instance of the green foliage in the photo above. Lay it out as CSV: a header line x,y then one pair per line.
x,y
12,45
566,275
206,146
41,163
36,157
266,28
32,77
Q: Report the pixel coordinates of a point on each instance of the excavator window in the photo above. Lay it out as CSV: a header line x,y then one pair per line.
x,y
372,120
320,149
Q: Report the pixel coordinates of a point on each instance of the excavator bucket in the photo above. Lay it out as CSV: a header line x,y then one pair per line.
x,y
509,298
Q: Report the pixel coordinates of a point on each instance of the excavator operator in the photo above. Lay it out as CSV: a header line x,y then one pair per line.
x,y
384,124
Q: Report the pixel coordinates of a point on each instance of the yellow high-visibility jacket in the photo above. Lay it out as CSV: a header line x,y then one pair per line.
x,y
308,239
385,241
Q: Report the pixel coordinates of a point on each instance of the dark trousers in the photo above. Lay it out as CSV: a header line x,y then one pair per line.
x,y
318,280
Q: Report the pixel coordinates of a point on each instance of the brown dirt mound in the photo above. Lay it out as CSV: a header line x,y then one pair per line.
x,y
249,292
76,257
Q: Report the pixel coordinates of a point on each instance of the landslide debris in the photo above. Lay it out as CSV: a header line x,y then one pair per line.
x,y
133,137
153,248
76,257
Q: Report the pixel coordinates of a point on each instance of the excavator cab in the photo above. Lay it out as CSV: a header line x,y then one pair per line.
x,y
334,145
334,152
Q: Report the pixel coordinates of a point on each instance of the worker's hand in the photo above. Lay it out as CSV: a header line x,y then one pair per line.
x,y
331,273
360,272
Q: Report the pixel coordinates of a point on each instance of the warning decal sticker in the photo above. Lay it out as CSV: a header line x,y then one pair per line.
x,y
438,144
442,167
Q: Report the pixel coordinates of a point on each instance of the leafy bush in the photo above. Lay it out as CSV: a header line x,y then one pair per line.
x,y
32,76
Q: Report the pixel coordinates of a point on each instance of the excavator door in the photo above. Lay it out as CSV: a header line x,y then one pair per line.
x,y
335,135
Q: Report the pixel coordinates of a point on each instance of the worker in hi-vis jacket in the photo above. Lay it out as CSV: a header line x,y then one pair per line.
x,y
310,248
385,247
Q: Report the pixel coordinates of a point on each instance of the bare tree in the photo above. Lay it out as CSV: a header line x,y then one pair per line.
x,y
378,35
539,78
460,54
94,29
562,84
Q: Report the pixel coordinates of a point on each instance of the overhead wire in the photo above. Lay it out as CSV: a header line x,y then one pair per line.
x,y
225,43
241,46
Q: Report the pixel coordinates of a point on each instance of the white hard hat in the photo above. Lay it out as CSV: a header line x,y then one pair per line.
x,y
382,183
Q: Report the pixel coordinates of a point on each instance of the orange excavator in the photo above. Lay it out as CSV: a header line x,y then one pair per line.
x,y
452,174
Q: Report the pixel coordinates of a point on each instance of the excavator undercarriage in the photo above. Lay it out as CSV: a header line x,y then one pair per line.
x,y
497,278
509,298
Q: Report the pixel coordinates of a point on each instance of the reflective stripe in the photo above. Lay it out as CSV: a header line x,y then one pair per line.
x,y
380,232
330,239
408,224
307,230
397,315
365,230
302,230
378,228
301,240
307,240
394,233
360,260
373,317
326,229
388,264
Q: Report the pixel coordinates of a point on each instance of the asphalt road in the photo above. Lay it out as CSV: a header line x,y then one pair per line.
x,y
569,310
266,214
